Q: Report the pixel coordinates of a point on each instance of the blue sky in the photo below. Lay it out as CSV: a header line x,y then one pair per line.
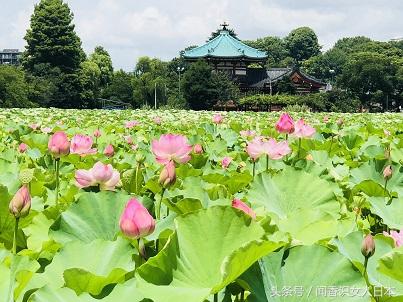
x,y
160,28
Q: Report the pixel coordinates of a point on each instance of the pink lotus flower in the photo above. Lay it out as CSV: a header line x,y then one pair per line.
x,y
171,147
226,161
59,122
100,174
326,119
340,122
59,144
218,119
131,124
46,130
256,148
285,124
134,147
136,222
21,203
34,126
198,149
157,120
81,144
303,130
97,133
276,150
109,151
240,205
386,132
129,139
397,237
22,147
248,133
168,174
368,246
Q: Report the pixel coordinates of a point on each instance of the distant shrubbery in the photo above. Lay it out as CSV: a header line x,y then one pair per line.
x,y
336,101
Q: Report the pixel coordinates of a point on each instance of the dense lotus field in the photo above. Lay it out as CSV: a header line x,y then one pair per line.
x,y
178,206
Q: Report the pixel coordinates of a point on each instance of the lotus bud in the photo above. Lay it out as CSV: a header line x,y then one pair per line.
x,y
309,157
198,149
387,172
109,151
285,124
168,174
21,203
59,144
240,205
368,246
136,222
26,176
340,122
97,133
22,147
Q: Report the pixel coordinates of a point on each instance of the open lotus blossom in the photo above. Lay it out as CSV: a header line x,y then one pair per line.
x,y
171,147
240,205
46,130
131,124
59,144
109,151
226,161
22,147
303,130
397,237
218,119
82,145
256,148
21,203
97,133
248,133
276,150
198,149
136,222
100,174
285,124
129,139
326,119
386,132
34,126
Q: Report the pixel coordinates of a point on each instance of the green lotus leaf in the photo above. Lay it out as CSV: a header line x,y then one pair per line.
x,y
391,264
309,274
47,294
87,267
391,214
350,247
210,249
292,190
37,232
94,216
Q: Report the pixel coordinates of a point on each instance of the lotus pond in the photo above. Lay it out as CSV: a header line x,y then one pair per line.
x,y
178,206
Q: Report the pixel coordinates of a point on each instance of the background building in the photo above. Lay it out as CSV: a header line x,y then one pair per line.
x,y
10,56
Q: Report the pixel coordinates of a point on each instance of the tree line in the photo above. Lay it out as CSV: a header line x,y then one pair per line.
x,y
56,72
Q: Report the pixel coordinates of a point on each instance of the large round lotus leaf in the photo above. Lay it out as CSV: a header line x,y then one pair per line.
x,y
292,190
87,267
391,264
350,246
392,215
210,248
47,294
94,216
309,274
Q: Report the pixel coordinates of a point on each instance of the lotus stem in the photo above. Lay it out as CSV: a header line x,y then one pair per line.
x,y
242,299
142,249
331,144
216,297
17,220
254,169
384,188
299,147
267,162
57,181
158,210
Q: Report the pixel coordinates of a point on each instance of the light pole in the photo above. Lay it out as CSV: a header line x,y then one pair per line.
x,y
180,69
155,95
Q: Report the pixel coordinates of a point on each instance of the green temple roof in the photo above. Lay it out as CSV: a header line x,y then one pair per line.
x,y
224,46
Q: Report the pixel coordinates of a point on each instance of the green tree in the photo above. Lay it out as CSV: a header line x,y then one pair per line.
x,y
13,88
54,52
302,44
90,80
51,38
326,66
121,88
367,74
275,48
104,62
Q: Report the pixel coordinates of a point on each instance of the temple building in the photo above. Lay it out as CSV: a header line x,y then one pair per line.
x,y
246,65
10,56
